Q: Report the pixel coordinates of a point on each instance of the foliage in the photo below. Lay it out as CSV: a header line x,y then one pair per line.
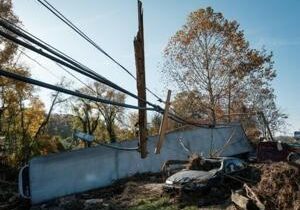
x,y
155,124
60,125
8,49
217,73
92,114
22,113
189,105
162,203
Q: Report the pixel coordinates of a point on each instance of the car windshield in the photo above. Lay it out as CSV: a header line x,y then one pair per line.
x,y
207,165
232,165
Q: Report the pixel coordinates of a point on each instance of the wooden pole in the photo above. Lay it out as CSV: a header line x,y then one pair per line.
x,y
141,82
163,125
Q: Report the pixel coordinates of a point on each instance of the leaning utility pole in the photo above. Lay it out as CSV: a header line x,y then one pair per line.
x,y
163,125
141,82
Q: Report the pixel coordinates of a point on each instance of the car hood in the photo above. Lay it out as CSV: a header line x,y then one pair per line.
x,y
185,176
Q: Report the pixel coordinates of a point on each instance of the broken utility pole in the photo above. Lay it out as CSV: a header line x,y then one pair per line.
x,y
163,125
141,82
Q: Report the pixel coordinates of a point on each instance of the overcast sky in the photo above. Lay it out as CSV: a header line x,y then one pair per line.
x,y
113,24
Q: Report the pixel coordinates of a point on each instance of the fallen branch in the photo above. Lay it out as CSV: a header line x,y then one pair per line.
x,y
8,183
240,200
252,195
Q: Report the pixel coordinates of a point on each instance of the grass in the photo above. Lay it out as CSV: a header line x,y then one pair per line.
x,y
158,204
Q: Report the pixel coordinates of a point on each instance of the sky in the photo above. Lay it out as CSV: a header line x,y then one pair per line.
x,y
112,24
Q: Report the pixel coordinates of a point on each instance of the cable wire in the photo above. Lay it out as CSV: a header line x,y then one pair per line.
x,y
65,60
38,63
67,91
119,148
79,80
63,18
76,66
60,66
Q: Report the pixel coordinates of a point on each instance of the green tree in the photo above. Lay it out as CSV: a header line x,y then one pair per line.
x,y
155,124
92,114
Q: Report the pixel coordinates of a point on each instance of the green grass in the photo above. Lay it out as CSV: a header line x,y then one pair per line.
x,y
157,204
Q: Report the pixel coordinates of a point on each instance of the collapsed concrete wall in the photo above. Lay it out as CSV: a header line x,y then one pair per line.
x,y
72,172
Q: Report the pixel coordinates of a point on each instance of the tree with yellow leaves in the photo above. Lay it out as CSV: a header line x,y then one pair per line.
x,y
210,57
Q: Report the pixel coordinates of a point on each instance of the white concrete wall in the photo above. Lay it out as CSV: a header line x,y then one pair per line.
x,y
72,172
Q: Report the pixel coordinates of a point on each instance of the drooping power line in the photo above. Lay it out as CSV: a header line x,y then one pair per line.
x,y
60,58
71,63
54,75
37,62
63,18
28,80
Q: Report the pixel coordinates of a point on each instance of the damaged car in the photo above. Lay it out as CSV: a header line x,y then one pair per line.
x,y
209,173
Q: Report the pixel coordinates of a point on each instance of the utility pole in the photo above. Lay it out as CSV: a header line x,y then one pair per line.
x,y
163,125
141,82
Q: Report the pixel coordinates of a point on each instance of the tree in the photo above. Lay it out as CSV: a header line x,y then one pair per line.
x,y
212,65
203,56
22,113
131,122
87,114
189,105
91,113
111,114
41,129
155,124
8,49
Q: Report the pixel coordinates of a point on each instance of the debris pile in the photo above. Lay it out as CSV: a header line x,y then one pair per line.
x,y
278,187
8,195
197,162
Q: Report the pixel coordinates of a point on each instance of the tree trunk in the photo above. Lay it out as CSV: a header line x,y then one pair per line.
x,y
25,140
41,129
212,104
229,100
111,132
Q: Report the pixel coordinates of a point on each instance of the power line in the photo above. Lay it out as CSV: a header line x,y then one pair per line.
x,y
70,73
60,66
38,63
58,14
59,58
63,18
66,91
65,60
119,148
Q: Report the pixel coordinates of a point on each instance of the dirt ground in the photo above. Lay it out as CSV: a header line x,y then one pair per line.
x,y
135,193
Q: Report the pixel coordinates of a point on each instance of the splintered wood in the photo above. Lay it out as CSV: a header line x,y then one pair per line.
x,y
163,125
141,82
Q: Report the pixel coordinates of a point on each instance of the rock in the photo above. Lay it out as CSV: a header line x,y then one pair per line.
x,y
93,201
105,204
13,199
35,208
67,199
70,203
240,200
45,207
93,204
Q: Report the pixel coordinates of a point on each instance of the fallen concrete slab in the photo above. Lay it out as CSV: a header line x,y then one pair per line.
x,y
72,172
